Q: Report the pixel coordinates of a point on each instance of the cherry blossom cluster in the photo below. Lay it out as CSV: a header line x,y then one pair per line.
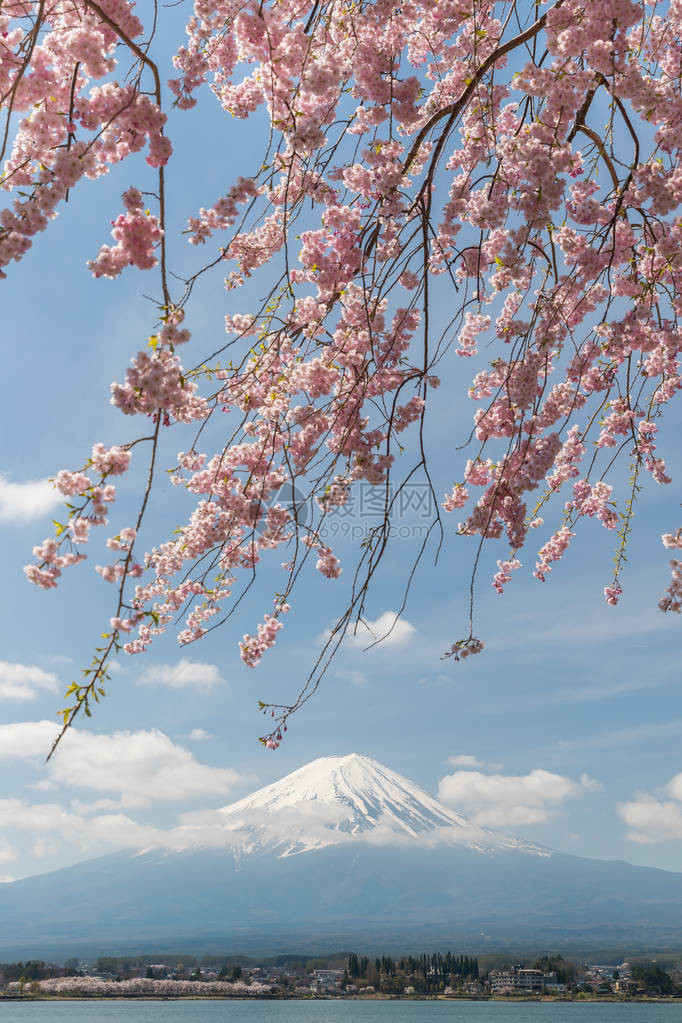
x,y
156,384
137,234
67,127
504,573
253,647
672,598
464,648
95,496
141,987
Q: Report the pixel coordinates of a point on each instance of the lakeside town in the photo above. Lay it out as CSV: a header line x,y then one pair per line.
x,y
431,975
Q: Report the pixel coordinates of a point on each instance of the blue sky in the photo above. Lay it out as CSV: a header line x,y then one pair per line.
x,y
565,731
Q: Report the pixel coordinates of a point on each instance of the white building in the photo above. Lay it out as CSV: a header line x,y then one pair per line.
x,y
518,980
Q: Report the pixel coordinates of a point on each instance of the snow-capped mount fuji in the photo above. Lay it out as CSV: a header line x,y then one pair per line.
x,y
363,791
342,853
339,799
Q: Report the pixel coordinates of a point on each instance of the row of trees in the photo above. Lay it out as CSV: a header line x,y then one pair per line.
x,y
565,971
653,979
425,973
31,970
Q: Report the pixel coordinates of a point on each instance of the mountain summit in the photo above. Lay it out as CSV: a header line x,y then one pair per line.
x,y
340,798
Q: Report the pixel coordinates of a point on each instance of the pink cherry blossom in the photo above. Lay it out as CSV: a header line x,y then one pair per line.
x,y
435,182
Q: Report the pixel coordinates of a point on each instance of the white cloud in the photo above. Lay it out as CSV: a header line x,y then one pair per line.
x,y
391,630
440,679
135,768
52,827
55,833
22,681
496,800
309,824
465,760
198,735
652,819
44,784
27,738
141,767
83,808
7,852
182,675
24,501
356,678
674,787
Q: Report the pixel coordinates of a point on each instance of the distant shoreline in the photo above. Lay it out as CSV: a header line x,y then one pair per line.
x,y
513,999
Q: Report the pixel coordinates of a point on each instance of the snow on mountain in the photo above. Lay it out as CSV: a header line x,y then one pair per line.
x,y
340,799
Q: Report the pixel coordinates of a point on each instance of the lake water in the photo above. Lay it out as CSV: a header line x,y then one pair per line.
x,y
337,1011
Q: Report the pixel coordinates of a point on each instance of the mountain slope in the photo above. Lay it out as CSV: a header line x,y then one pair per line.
x,y
367,897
